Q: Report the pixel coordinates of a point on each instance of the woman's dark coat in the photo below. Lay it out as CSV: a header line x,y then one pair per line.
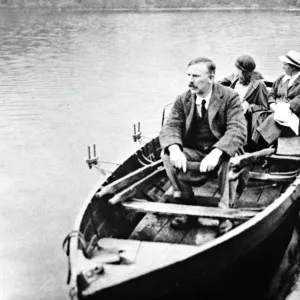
x,y
257,97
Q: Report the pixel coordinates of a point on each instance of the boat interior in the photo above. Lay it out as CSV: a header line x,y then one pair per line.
x,y
144,210
135,231
156,224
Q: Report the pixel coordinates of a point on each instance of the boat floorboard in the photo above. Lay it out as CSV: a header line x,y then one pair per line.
x,y
157,228
250,195
271,190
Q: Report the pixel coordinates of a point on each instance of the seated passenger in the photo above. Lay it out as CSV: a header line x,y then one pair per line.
x,y
253,93
206,126
284,102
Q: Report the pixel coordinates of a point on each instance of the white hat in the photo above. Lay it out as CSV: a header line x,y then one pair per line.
x,y
292,57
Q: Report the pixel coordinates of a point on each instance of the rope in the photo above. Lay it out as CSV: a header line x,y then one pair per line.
x,y
66,248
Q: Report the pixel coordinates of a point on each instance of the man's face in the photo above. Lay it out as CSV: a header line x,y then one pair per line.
x,y
199,78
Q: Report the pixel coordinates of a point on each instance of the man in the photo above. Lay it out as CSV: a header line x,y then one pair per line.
x,y
284,101
206,125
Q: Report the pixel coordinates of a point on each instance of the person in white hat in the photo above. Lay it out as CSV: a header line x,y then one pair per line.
x,y
284,102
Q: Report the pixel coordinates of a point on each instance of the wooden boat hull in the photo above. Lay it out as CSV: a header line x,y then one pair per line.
x,y
239,264
239,267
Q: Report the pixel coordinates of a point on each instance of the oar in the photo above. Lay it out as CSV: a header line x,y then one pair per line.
x,y
238,162
129,179
136,186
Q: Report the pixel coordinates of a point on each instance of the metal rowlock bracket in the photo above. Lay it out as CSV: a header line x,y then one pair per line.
x,y
94,161
137,135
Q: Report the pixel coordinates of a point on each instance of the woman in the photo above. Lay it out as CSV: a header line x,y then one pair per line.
x,y
284,98
253,92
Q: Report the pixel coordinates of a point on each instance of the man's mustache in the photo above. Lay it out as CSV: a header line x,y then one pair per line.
x,y
191,85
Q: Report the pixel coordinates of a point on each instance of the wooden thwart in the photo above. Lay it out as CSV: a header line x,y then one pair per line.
x,y
190,210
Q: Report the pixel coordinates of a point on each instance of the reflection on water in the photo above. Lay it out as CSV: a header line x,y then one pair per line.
x,y
72,79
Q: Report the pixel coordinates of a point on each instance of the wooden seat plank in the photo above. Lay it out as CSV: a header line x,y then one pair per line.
x,y
190,210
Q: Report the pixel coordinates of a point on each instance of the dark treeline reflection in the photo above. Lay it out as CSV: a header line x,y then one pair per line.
x,y
150,4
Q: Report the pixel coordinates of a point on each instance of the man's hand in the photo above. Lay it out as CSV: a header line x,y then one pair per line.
x,y
211,160
177,157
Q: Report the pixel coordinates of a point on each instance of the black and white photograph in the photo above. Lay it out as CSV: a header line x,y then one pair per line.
x,y
150,149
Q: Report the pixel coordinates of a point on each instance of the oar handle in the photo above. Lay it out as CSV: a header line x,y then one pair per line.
x,y
237,161
241,161
192,166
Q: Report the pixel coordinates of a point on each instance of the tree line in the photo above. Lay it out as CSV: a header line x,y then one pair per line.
x,y
152,4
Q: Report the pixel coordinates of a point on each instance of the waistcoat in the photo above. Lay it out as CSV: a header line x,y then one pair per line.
x,y
202,138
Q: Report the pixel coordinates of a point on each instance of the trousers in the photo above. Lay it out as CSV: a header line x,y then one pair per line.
x,y
182,182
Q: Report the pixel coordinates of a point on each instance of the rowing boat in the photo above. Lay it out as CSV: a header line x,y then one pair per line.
x,y
122,244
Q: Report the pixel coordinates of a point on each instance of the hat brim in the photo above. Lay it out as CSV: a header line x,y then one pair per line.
x,y
286,60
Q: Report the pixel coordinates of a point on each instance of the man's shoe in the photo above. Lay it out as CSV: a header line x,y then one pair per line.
x,y
225,226
208,222
183,222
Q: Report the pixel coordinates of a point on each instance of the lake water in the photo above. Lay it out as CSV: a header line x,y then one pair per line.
x,y
73,79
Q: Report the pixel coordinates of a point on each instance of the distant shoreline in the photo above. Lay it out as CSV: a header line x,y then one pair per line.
x,y
149,9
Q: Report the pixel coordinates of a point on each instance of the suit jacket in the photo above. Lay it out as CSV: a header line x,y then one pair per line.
x,y
292,96
269,129
225,117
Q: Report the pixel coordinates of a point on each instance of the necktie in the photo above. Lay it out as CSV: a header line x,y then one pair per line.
x,y
203,108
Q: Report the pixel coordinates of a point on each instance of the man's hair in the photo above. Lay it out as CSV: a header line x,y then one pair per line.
x,y
211,67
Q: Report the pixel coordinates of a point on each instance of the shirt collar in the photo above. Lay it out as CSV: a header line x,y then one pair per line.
x,y
200,98
285,78
292,78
